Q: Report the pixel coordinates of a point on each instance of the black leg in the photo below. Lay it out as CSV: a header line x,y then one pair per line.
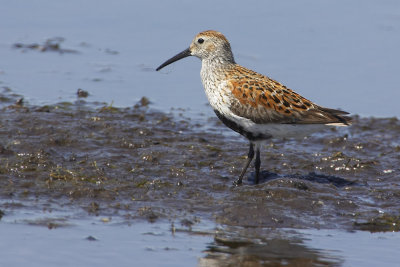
x,y
250,157
257,164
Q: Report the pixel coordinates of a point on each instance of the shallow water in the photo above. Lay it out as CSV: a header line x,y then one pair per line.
x,y
94,241
115,178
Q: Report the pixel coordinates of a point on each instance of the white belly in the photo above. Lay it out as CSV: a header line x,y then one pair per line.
x,y
276,130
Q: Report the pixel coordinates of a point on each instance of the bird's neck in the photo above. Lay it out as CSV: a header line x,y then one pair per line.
x,y
216,66
219,59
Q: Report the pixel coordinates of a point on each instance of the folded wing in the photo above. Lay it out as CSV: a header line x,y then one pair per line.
x,y
263,100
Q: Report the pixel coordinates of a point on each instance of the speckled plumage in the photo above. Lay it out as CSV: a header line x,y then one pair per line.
x,y
250,103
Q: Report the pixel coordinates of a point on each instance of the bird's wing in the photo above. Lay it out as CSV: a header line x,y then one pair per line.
x,y
263,100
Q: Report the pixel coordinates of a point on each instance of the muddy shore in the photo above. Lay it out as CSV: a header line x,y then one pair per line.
x,y
138,163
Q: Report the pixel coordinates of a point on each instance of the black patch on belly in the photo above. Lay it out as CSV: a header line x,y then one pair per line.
x,y
238,128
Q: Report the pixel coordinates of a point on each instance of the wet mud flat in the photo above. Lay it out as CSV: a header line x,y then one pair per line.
x,y
137,163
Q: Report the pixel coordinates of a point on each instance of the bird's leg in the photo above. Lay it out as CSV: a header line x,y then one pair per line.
x,y
250,157
257,164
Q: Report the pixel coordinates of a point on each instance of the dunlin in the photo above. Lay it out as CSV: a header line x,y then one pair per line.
x,y
257,107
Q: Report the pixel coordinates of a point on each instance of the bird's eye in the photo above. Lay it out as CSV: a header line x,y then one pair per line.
x,y
200,40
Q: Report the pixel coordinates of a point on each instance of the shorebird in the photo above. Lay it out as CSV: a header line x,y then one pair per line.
x,y
254,105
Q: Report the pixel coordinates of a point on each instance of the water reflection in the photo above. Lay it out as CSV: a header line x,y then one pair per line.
x,y
273,249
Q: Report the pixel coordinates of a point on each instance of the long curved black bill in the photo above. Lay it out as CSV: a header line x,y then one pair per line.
x,y
181,55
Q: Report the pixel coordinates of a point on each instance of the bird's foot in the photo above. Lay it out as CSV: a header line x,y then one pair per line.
x,y
238,182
